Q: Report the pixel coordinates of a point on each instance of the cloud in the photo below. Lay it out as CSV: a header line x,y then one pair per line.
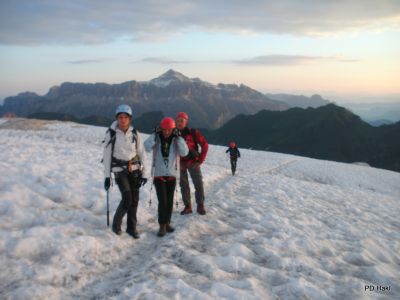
x,y
27,22
85,61
263,60
163,60
288,60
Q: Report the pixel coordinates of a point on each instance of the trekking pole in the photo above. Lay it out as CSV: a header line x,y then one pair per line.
x,y
151,189
178,178
108,208
176,197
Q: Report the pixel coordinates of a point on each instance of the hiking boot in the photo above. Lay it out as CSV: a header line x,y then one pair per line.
x,y
116,230
187,210
163,230
133,233
200,209
169,228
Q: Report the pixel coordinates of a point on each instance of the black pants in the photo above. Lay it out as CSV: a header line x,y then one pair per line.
x,y
165,193
233,164
128,184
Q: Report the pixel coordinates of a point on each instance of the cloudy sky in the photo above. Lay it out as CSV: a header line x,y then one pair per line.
x,y
346,48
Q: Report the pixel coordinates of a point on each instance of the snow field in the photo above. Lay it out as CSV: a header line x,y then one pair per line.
x,y
284,227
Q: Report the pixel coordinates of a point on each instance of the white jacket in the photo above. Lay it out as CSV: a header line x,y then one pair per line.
x,y
124,149
170,168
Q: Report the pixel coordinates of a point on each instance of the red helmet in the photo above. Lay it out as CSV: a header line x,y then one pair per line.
x,y
182,115
232,144
167,123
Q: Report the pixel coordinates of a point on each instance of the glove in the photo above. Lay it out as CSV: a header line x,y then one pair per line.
x,y
176,132
107,183
193,155
157,129
142,181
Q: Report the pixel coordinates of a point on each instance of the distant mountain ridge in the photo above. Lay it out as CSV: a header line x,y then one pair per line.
x,y
145,123
329,132
208,105
376,113
300,100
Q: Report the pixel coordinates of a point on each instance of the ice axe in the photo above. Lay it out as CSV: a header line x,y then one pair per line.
x,y
108,209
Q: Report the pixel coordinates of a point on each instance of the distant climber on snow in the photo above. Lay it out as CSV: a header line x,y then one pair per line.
x,y
234,154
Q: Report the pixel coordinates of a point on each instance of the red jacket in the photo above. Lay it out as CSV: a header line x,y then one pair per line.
x,y
188,134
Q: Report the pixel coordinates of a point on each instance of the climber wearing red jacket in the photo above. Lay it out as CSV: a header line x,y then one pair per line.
x,y
191,163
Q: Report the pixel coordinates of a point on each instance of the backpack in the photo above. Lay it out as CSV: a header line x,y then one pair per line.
x,y
193,133
113,139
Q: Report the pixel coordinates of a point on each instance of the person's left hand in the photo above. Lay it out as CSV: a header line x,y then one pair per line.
x,y
142,181
107,183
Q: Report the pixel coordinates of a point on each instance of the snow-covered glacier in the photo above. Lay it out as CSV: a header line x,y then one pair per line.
x,y
284,227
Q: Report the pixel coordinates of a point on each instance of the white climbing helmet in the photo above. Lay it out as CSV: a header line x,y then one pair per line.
x,y
123,108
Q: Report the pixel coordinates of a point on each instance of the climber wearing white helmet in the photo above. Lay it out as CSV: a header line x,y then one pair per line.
x,y
124,156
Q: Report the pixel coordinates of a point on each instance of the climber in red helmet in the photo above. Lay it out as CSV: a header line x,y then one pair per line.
x,y
191,164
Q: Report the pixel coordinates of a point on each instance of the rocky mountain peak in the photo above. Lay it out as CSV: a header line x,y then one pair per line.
x,y
27,94
168,77
209,105
317,97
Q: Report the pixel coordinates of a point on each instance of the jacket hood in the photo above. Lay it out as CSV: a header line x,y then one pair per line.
x,y
114,125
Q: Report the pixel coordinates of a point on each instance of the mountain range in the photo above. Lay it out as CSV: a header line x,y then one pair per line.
x,y
225,112
300,100
329,132
376,114
145,123
208,105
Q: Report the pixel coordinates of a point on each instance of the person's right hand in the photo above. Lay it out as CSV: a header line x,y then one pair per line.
x,y
107,183
157,129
